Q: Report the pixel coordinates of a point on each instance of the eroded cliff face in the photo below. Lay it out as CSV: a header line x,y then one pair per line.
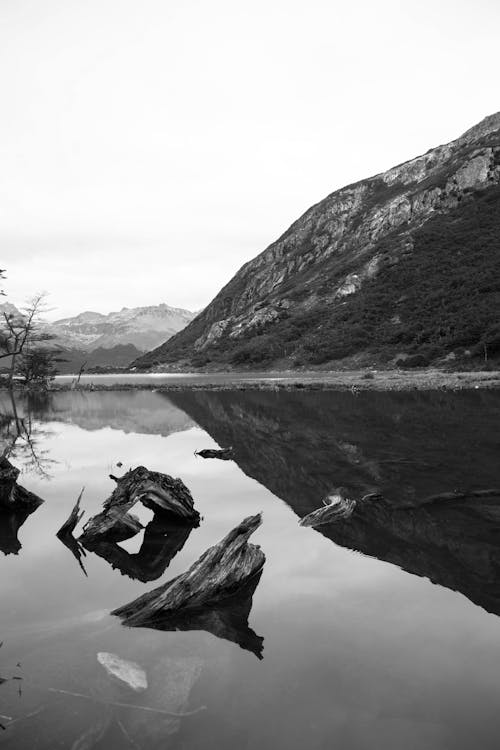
x,y
341,243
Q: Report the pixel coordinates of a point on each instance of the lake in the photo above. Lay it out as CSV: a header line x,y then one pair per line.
x,y
380,630
191,378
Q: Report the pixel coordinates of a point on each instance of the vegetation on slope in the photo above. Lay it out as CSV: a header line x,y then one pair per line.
x,y
442,297
120,355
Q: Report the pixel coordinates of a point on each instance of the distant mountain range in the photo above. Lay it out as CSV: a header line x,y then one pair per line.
x,y
112,340
402,267
143,327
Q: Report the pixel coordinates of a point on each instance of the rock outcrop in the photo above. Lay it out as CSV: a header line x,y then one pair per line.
x,y
347,252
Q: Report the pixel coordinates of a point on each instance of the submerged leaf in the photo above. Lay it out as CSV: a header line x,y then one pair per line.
x,y
126,671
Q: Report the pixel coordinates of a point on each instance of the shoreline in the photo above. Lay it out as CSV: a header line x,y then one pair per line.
x,y
356,380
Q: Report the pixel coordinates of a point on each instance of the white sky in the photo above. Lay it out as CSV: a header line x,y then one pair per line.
x,y
149,148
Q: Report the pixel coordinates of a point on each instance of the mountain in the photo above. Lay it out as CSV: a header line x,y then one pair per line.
x,y
402,266
113,340
143,327
7,308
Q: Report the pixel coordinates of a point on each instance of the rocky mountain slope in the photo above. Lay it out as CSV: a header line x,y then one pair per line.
x,y
400,266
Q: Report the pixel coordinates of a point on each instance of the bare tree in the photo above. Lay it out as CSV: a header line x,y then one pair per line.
x,y
19,332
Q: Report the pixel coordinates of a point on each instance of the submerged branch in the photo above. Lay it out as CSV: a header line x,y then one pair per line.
x,y
119,704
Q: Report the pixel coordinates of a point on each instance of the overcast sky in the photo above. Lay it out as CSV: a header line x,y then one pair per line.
x,y
148,148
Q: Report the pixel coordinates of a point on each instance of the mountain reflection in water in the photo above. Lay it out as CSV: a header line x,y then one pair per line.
x,y
358,653
405,446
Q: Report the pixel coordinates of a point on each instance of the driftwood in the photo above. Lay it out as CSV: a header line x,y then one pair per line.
x,y
224,454
65,533
13,497
113,526
335,507
162,541
219,573
158,492
227,620
75,516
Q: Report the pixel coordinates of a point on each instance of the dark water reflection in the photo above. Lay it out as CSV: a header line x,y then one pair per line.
x,y
406,445
160,543
360,650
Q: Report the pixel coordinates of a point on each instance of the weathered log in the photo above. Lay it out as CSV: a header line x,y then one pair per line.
x,y
336,507
113,525
219,573
224,454
158,492
160,545
74,518
12,496
227,620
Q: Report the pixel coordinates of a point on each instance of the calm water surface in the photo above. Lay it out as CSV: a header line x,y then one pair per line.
x,y
183,378
382,631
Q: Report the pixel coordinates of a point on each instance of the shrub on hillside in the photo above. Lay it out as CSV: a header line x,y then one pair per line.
x,y
256,351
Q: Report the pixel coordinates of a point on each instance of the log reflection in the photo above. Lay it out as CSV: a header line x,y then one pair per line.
x,y
162,541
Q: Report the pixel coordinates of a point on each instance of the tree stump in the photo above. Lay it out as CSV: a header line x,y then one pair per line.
x,y
13,497
218,574
227,619
160,493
